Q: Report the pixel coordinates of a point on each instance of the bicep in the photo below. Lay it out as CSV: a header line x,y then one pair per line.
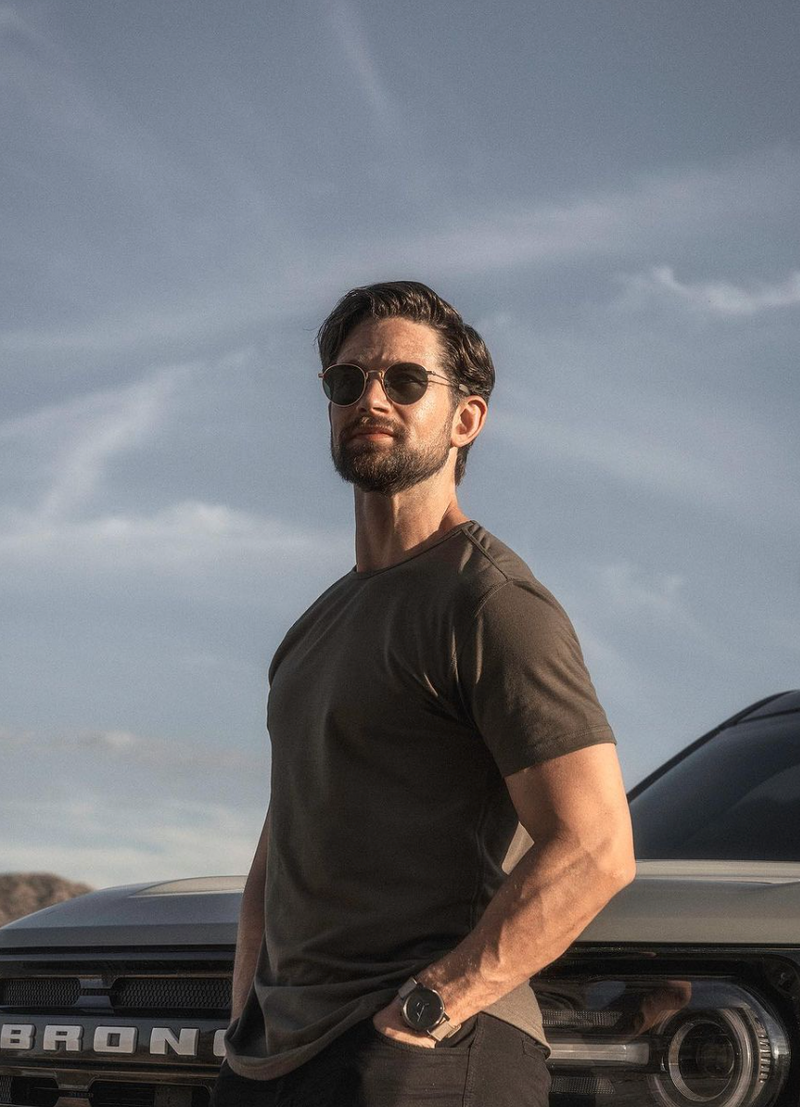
x,y
580,793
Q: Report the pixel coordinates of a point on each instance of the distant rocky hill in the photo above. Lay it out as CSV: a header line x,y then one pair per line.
x,y
21,893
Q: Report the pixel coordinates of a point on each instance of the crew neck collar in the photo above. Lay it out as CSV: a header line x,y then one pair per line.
x,y
364,573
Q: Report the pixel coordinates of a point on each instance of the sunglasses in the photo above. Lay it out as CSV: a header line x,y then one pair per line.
x,y
404,382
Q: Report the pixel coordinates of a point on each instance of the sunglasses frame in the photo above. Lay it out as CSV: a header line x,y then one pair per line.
x,y
381,373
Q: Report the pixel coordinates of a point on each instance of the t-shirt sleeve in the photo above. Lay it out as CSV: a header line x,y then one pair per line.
x,y
523,680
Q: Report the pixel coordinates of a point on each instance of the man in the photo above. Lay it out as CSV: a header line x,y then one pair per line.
x,y
427,703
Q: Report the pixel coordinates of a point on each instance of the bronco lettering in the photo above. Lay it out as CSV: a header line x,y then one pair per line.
x,y
184,1041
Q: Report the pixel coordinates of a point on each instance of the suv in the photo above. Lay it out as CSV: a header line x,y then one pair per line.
x,y
683,992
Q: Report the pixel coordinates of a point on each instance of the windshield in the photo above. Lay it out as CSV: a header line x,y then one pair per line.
x,y
737,797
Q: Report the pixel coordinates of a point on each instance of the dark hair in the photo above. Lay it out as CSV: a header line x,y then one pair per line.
x,y
466,358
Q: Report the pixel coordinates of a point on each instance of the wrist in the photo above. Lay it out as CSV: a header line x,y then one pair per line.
x,y
456,997
424,1011
389,1021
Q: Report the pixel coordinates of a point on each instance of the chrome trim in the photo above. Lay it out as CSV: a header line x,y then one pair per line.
x,y
575,1051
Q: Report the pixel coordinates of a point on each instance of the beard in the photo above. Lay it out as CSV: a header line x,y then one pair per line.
x,y
389,469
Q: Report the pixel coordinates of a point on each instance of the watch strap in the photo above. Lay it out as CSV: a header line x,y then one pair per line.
x,y
407,988
445,1029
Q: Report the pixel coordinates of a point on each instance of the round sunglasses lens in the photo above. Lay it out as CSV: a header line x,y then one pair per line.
x,y
343,384
405,382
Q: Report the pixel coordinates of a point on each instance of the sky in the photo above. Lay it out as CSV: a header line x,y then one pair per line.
x,y
608,192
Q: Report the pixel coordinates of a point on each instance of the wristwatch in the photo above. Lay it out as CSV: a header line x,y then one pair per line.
x,y
423,1010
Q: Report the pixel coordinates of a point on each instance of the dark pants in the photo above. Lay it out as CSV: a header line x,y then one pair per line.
x,y
489,1063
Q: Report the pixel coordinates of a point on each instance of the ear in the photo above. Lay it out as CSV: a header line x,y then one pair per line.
x,y
468,420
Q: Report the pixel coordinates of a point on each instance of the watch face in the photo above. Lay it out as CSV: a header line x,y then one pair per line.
x,y
423,1008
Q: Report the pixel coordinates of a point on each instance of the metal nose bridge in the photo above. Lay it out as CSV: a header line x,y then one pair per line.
x,y
380,374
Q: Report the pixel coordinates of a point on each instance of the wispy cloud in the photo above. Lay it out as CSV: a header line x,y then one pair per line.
x,y
114,842
118,420
621,603
714,297
112,806
195,317
628,589
47,84
633,456
132,211
657,209
615,670
655,597
69,446
348,28
121,740
68,525
657,212
638,434
185,543
114,748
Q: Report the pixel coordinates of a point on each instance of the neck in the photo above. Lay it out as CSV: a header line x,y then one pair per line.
x,y
391,528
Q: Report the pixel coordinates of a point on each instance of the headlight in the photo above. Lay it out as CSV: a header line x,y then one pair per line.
x,y
662,1042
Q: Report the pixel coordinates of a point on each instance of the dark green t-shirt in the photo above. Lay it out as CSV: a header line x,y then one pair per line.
x,y
398,702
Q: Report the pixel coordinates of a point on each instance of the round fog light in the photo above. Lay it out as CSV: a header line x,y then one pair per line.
x,y
711,1059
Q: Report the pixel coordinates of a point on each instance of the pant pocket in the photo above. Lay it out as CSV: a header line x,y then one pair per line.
x,y
506,1067
396,1074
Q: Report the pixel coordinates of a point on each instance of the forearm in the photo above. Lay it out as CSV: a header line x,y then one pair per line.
x,y
541,907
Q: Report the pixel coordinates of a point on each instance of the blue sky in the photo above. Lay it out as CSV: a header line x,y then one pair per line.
x,y
607,191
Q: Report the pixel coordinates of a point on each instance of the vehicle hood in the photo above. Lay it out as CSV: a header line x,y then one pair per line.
x,y
704,902
675,902
191,912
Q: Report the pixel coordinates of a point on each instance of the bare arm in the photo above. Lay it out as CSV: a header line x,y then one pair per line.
x,y
251,924
574,807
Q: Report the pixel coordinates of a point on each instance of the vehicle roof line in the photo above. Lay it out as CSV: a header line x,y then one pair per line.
x,y
646,781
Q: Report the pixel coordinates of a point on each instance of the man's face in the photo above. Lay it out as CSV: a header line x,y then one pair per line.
x,y
415,443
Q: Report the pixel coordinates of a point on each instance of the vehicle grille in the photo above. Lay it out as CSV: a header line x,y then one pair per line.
x,y
129,1095
148,987
108,1094
127,994
197,993
46,992
43,1092
36,1092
